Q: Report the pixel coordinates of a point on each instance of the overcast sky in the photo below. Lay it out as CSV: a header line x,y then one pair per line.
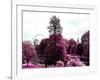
x,y
36,23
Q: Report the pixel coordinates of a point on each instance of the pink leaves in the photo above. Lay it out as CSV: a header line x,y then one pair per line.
x,y
28,51
74,61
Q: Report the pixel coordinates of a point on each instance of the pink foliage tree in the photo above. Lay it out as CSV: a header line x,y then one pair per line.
x,y
28,51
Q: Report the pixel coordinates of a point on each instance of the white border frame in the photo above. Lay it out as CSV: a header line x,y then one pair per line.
x,y
16,69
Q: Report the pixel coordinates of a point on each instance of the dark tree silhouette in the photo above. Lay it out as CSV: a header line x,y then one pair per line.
x,y
72,45
42,50
55,27
85,42
79,50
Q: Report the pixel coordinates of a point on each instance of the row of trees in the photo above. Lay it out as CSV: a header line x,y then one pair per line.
x,y
37,53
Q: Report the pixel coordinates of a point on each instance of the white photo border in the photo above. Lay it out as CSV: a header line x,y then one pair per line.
x,y
17,23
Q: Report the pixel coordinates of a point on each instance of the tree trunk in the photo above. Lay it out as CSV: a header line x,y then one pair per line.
x,y
27,63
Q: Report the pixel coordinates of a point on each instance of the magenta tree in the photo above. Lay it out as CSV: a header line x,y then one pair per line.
x,y
28,52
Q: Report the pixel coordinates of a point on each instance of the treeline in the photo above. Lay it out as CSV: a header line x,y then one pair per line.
x,y
46,52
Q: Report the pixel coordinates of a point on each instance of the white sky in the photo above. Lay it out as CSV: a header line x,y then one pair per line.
x,y
74,25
